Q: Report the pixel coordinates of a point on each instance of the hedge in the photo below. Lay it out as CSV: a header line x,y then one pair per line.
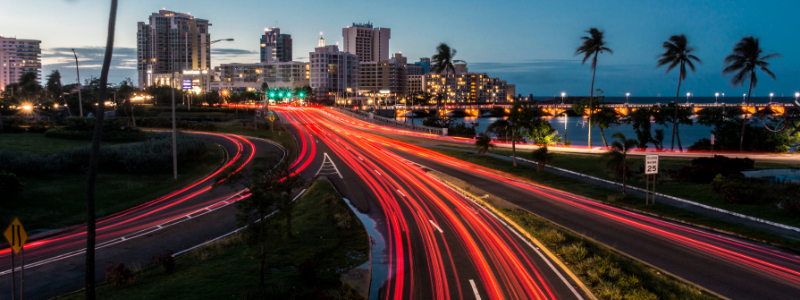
x,y
181,124
152,156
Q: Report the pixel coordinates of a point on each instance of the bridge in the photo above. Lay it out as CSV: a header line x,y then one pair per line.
x,y
554,109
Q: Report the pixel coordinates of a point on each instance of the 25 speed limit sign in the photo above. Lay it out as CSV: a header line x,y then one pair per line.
x,y
651,164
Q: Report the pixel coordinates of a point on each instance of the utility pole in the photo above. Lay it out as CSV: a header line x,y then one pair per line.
x,y
77,69
174,129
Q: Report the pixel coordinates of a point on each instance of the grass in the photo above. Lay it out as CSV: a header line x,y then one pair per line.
x,y
229,268
59,200
38,143
280,135
603,194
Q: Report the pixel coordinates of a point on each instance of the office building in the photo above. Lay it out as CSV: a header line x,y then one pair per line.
x,y
171,42
17,57
276,46
333,72
466,87
368,43
415,83
414,69
242,77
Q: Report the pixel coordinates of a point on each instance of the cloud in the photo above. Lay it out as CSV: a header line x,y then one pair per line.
x,y
123,63
228,51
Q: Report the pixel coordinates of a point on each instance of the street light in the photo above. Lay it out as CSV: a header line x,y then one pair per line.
x,y
626,97
687,97
562,97
743,98
723,98
716,96
565,127
770,97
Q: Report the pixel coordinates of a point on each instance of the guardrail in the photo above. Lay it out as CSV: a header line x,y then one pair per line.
x,y
378,120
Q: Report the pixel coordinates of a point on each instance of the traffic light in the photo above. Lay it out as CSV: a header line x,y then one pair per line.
x,y
272,94
288,94
280,94
302,95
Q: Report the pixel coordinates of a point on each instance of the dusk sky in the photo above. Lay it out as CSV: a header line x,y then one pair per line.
x,y
528,43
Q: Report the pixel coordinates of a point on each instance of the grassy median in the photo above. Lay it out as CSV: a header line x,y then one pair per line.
x,y
229,268
615,198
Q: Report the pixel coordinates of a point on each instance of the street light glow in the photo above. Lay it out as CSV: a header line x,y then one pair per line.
x,y
26,107
716,94
563,94
627,94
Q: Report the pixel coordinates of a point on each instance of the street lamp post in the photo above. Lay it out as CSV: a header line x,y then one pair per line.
x,y
770,97
80,102
744,96
562,97
687,97
626,97
716,97
565,127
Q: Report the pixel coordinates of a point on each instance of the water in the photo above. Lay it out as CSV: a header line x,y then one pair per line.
x,y
776,175
380,267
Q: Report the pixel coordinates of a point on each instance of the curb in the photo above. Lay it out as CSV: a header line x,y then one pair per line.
x,y
561,265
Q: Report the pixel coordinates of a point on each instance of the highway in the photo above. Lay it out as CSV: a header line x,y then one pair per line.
x,y
176,221
440,245
730,266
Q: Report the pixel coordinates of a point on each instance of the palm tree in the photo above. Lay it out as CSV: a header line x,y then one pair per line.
x,y
592,46
678,52
541,156
483,143
443,61
95,156
747,56
55,89
616,158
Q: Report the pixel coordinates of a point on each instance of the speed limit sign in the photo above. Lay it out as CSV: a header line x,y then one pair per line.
x,y
651,164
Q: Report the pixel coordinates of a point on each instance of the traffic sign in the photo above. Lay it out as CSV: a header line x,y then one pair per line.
x,y
16,236
651,164
271,118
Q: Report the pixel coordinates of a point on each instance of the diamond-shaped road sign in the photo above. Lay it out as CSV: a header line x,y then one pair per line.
x,y
271,118
15,235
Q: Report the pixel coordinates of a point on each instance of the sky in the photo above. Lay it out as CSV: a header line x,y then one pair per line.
x,y
530,43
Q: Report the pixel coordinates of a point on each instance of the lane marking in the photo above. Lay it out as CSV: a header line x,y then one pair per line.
x,y
327,162
401,193
379,173
437,226
475,289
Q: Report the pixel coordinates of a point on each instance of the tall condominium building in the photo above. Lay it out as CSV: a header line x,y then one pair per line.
x,y
291,74
384,77
171,42
370,44
276,46
466,87
415,83
333,72
17,57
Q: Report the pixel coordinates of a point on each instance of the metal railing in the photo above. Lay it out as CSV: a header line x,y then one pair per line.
x,y
378,120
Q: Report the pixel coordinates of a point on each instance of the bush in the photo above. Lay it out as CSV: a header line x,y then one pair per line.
x,y
37,129
152,156
114,130
118,275
745,190
461,129
167,262
9,184
11,128
162,122
308,271
704,169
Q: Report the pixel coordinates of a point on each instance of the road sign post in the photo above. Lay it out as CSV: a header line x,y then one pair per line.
x,y
16,237
650,168
271,122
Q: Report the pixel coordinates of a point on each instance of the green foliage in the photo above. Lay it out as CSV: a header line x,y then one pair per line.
x,y
704,169
9,184
162,122
757,137
617,157
152,156
483,143
114,130
542,157
462,129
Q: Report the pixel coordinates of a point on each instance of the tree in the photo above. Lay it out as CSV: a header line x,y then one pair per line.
x,y
125,91
616,158
443,61
31,90
747,56
514,117
672,113
288,184
483,143
541,156
95,156
592,46
640,119
601,115
266,181
678,52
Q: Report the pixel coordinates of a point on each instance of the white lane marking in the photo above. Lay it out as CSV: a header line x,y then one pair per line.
x,y
401,193
475,289
379,173
437,226
360,158
327,162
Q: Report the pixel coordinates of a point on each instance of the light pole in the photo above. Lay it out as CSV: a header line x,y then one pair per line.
x,y
562,97
626,97
174,127
716,97
723,98
687,97
744,96
796,103
770,97
565,127
80,102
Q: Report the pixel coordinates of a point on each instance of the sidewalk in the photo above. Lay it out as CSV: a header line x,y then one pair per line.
x,y
788,233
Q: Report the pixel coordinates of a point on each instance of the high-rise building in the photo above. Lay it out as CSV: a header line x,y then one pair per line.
x,y
370,44
290,75
333,72
466,87
275,46
17,57
383,77
171,42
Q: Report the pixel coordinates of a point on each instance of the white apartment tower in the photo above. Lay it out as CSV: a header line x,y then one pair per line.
x,y
171,42
333,72
17,57
370,44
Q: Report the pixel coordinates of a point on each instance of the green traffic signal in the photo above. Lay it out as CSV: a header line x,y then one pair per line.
x,y
302,95
272,94
288,94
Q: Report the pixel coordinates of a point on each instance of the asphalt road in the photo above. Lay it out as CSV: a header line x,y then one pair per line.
x,y
440,245
732,267
177,221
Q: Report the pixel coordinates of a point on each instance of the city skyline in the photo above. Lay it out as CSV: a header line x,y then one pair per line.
x,y
506,43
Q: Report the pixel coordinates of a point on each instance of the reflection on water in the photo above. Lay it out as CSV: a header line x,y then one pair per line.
x,y
380,261
776,175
